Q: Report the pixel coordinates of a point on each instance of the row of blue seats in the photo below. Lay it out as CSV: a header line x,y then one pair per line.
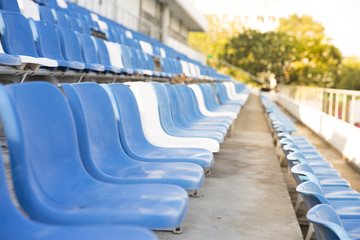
x,y
37,43
136,58
333,206
82,156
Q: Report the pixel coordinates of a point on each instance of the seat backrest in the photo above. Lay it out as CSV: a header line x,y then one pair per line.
x,y
115,53
303,167
298,156
16,35
149,61
192,99
149,113
47,14
327,223
61,19
172,66
84,26
43,149
164,107
102,51
9,6
46,40
137,62
74,24
30,9
312,194
186,102
165,65
239,87
185,68
178,66
221,93
209,96
51,3
88,48
96,128
178,110
70,46
121,35
126,57
129,121
10,215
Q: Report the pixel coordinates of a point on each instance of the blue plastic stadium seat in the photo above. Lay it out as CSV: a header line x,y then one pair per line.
x,y
167,117
9,6
318,163
193,107
89,53
127,58
17,39
84,25
192,116
96,126
212,104
49,179
223,95
9,60
48,45
165,66
181,115
61,19
74,24
151,123
132,137
104,57
345,206
72,50
118,59
137,63
193,100
15,225
47,14
150,65
328,225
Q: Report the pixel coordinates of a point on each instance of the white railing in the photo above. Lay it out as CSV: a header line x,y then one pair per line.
x,y
339,103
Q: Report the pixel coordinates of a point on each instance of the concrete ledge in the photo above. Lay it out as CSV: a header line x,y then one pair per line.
x,y
341,135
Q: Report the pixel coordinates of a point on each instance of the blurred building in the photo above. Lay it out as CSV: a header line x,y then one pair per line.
x,y
167,20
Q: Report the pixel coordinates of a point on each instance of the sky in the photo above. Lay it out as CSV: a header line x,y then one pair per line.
x,y
341,18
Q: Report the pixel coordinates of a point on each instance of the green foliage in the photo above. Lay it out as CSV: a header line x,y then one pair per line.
x,y
300,27
213,42
258,52
349,75
298,52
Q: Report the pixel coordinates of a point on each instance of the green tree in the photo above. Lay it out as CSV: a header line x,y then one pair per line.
x,y
258,52
349,75
296,53
212,42
318,62
301,27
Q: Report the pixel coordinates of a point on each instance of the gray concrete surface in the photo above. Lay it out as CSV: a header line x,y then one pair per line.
x,y
245,197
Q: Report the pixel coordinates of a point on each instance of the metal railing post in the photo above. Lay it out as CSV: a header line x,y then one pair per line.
x,y
352,109
336,105
343,110
331,103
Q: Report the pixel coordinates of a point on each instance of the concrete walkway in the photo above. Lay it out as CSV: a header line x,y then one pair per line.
x,y
245,197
